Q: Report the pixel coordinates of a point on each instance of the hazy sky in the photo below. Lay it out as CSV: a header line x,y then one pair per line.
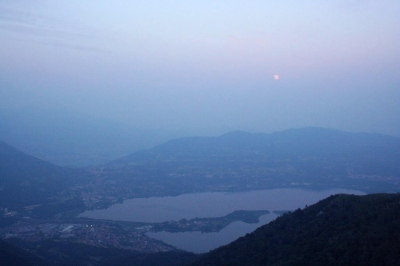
x,y
207,65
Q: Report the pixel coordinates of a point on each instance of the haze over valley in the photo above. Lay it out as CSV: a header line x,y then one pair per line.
x,y
199,133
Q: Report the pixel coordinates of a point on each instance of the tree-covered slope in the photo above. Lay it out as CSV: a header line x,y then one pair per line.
x,y
339,230
13,256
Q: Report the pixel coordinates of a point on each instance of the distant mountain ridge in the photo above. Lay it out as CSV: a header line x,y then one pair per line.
x,y
292,141
323,157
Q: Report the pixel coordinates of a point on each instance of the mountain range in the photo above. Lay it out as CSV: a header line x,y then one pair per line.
x,y
340,230
309,157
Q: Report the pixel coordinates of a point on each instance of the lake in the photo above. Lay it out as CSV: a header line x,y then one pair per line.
x,y
211,204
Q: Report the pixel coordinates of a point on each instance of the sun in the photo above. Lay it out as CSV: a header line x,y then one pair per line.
x,y
276,77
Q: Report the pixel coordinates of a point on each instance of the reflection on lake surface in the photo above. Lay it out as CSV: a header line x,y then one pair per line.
x,y
189,206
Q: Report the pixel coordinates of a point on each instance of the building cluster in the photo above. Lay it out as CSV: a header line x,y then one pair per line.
x,y
99,234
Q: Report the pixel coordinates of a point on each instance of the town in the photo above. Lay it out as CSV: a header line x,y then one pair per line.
x,y
118,234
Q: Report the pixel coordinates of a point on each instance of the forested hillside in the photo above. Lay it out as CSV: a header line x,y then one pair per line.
x,y
339,230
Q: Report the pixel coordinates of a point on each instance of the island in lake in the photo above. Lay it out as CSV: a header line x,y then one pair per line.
x,y
208,225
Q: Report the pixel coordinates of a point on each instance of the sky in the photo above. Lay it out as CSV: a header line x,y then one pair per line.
x,y
207,67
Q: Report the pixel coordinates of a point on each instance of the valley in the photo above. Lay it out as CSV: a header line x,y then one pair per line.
x,y
42,202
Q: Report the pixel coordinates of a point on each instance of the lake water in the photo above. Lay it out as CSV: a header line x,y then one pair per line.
x,y
189,206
